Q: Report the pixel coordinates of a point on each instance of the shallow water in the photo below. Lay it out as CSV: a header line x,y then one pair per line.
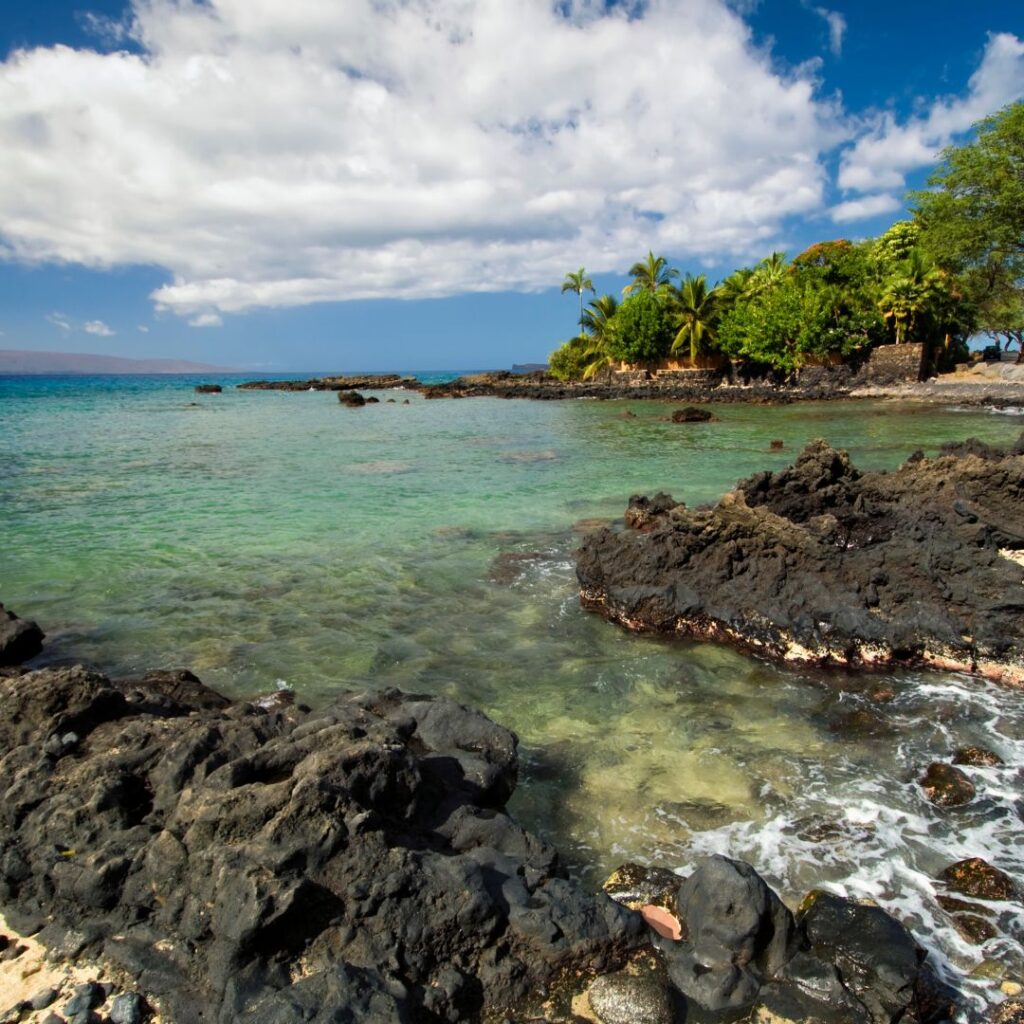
x,y
263,536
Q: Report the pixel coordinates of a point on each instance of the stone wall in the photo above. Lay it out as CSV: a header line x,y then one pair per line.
x,y
894,364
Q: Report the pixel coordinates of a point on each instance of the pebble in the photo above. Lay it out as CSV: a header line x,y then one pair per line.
x,y
126,1009
41,1000
628,999
85,998
1011,988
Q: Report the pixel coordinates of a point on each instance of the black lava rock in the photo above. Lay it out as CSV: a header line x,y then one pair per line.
x,y
20,639
243,862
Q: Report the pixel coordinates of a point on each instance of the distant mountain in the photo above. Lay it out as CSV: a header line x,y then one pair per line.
x,y
16,361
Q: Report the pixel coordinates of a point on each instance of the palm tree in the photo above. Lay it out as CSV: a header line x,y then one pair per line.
x,y
913,289
578,282
652,274
768,273
695,310
598,322
733,288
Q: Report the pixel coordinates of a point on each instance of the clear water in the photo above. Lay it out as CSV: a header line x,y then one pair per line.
x,y
257,537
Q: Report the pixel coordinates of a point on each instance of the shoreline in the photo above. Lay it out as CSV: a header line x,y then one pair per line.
x,y
813,385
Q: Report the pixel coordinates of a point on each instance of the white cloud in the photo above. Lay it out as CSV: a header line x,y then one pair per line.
x,y
206,320
271,154
836,28
882,157
143,329
279,154
98,327
866,206
59,320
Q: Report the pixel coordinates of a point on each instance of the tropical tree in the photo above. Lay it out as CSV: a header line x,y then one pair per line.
x,y
577,281
768,274
652,274
599,324
642,332
972,219
915,288
733,289
693,308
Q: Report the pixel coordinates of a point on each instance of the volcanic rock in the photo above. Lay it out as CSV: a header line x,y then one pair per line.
x,y
642,511
946,786
820,563
691,414
284,865
977,878
637,885
979,757
351,398
208,389
20,639
623,998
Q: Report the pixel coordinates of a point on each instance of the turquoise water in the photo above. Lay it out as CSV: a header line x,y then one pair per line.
x,y
269,537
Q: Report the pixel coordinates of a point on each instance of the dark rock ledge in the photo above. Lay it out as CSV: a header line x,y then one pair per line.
x,y
264,862
278,864
820,563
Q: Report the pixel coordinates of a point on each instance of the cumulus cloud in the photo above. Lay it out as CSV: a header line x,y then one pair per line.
x,y
206,320
866,206
269,154
99,328
889,149
279,154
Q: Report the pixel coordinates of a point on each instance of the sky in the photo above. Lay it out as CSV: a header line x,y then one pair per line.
x,y
403,184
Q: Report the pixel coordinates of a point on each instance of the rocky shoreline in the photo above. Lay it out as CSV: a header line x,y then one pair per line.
x,y
822,564
258,860
812,384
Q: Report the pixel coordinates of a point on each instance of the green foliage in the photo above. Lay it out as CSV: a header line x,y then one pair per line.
x,y
694,311
642,332
599,321
568,361
652,274
972,219
766,328
896,245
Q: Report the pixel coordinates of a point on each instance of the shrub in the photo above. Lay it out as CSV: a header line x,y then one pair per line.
x,y
567,362
642,330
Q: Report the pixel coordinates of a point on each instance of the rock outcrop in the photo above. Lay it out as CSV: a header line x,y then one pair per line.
x,y
820,563
20,639
379,381
265,862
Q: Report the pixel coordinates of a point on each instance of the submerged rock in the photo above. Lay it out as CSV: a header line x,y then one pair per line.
x,y
352,399
977,878
979,757
208,389
279,864
691,414
20,639
946,786
820,563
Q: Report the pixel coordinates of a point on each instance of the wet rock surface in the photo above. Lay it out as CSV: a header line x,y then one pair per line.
x,y
838,962
692,414
946,786
821,563
277,864
208,389
20,639
353,399
978,879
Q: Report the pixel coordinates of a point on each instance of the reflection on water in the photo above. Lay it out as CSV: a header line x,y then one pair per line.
x,y
282,537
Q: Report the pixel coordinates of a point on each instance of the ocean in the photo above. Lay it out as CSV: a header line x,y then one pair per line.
x,y
268,539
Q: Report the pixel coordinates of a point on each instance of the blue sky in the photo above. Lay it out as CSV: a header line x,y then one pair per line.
x,y
253,187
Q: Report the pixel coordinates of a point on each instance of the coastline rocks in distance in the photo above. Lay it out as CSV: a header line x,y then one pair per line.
x,y
375,382
20,639
820,563
208,389
244,862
